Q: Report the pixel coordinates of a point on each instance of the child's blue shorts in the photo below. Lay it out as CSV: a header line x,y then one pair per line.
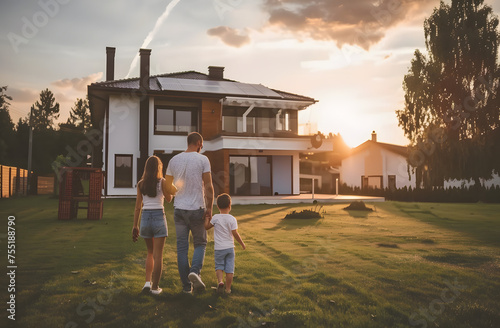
x,y
224,260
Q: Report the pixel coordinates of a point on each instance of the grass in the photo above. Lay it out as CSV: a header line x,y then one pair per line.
x,y
392,267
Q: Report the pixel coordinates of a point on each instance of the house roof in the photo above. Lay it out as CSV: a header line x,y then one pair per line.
x,y
400,150
196,82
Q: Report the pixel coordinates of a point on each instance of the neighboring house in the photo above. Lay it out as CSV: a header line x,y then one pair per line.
x,y
377,165
323,168
250,131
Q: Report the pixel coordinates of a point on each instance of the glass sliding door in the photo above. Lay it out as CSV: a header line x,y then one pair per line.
x,y
250,175
239,173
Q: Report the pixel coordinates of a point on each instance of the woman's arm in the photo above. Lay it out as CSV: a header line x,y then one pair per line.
x,y
137,213
169,190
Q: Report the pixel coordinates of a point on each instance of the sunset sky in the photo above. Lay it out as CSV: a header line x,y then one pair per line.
x,y
349,55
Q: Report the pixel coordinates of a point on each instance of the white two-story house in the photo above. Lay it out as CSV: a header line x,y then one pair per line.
x,y
250,131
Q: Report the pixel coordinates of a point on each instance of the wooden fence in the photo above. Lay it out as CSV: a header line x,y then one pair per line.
x,y
13,181
45,186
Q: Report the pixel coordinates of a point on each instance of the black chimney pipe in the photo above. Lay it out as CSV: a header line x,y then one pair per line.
x,y
110,63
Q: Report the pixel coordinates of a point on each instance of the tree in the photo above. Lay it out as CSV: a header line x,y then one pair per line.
x,y
80,115
6,127
451,95
44,111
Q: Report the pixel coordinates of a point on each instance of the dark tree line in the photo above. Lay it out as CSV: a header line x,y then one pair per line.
x,y
452,101
50,139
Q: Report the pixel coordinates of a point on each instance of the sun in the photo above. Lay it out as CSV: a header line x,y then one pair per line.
x,y
342,114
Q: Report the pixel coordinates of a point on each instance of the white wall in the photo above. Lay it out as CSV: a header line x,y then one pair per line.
x,y
351,170
265,143
296,174
494,181
395,164
123,138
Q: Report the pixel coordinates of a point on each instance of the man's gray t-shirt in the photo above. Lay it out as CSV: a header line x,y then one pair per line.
x,y
187,169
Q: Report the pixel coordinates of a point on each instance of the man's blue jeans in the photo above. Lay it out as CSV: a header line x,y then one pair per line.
x,y
194,221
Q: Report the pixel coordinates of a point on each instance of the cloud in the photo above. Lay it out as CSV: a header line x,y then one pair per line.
x,y
229,36
361,22
23,95
78,84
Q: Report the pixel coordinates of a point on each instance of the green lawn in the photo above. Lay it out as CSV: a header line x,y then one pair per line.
x,y
403,265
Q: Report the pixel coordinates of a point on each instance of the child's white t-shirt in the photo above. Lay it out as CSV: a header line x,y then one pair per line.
x,y
224,224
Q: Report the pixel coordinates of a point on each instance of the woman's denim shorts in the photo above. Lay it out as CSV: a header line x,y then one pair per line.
x,y
153,224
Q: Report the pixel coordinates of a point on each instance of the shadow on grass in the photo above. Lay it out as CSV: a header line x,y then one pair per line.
x,y
359,214
457,218
292,224
465,260
259,214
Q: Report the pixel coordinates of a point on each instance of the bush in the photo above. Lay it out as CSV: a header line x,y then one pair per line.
x,y
313,213
357,206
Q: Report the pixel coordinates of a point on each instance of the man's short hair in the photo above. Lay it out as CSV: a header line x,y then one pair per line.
x,y
223,201
193,138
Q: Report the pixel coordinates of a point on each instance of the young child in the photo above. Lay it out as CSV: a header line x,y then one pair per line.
x,y
225,228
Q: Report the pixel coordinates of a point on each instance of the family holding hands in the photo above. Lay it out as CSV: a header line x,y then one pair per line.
x,y
188,178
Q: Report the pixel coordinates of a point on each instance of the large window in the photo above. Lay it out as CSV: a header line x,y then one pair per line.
x,y
176,118
250,175
123,171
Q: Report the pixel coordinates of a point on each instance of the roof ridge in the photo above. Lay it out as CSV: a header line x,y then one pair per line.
x,y
174,73
290,93
389,144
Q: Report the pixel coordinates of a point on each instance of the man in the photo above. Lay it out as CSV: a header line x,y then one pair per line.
x,y
190,173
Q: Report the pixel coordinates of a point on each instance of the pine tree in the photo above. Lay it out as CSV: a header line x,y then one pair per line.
x,y
44,111
6,127
80,115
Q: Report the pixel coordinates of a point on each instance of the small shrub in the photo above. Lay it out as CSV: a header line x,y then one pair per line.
x,y
357,206
313,213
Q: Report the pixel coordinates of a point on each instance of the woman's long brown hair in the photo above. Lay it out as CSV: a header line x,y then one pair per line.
x,y
153,171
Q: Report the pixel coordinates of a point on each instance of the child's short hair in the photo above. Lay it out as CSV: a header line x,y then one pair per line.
x,y
223,201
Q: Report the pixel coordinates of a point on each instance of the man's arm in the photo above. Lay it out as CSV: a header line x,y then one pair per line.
x,y
237,236
167,190
209,193
169,182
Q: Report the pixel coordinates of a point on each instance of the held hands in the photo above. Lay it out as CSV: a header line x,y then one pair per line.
x,y
135,234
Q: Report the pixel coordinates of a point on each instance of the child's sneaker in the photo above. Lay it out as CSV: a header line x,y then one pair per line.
x,y
228,291
220,288
156,291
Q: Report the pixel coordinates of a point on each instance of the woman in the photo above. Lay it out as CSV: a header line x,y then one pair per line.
x,y
152,190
